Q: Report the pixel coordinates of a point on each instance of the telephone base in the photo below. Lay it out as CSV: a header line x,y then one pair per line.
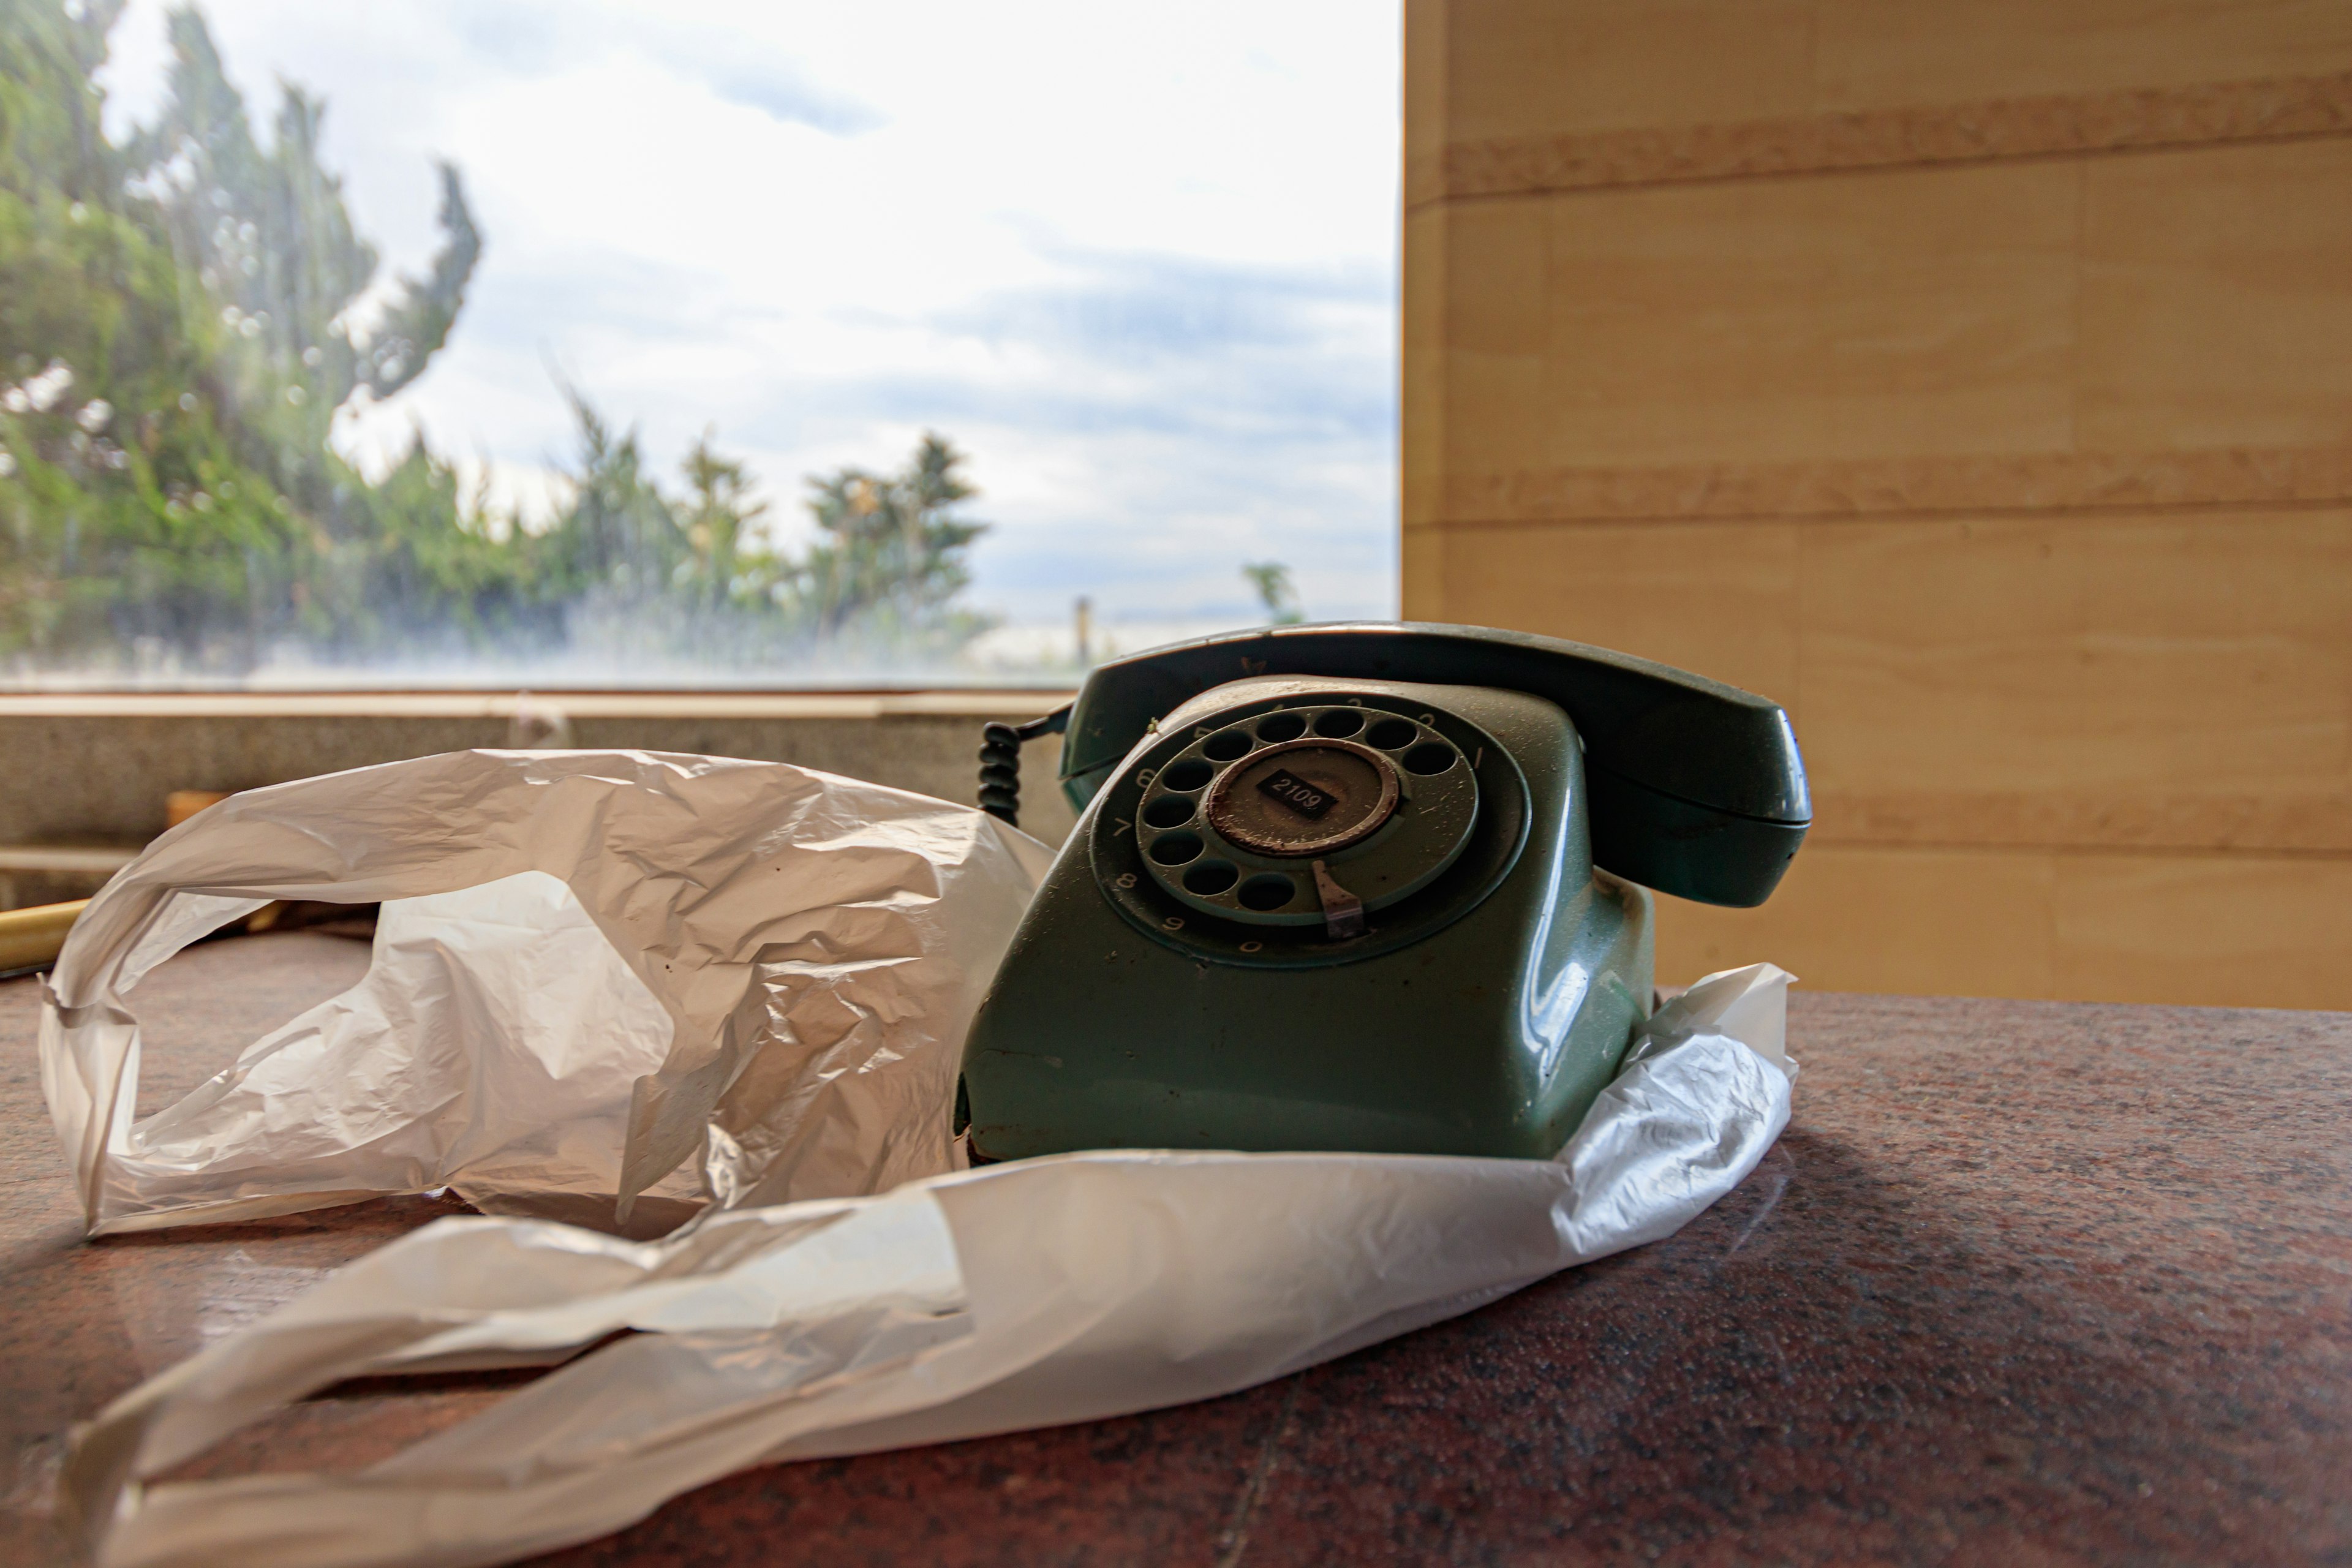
x,y
1483,998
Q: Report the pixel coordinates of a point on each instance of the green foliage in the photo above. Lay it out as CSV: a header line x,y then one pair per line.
x,y
891,557
183,314
1270,580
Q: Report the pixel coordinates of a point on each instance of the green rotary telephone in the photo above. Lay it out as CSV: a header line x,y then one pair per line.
x,y
1363,887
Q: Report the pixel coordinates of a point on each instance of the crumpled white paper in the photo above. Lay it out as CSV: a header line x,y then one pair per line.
x,y
592,966
1014,1296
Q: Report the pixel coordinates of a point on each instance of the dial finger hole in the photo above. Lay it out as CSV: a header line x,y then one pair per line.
x,y
1389,734
1188,774
1267,892
1176,849
1430,757
1211,878
1168,811
1276,728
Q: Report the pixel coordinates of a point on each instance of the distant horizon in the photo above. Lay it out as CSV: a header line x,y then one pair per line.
x,y
1167,342
1017,656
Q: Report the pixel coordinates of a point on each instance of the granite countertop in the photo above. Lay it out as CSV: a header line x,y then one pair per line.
x,y
2022,1282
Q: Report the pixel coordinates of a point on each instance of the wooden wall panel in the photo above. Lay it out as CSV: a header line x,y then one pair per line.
x,y
1870,54
2234,931
1533,66
2216,298
2241,929
1936,656
1495,392
1423,316
1861,315
1866,918
1975,379
2215,653
2129,664
1537,68
1645,91
1718,597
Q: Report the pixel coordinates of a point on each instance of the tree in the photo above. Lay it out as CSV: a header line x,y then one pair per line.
x,y
729,567
183,314
1271,580
637,574
890,558
190,294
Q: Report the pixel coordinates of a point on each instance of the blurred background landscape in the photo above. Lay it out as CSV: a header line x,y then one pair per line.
x,y
443,345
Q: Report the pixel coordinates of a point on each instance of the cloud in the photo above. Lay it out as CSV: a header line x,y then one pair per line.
x,y
1179,345
1165,307
1144,275
1139,427
540,40
780,91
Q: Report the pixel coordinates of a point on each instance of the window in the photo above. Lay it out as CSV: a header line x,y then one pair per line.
x,y
596,344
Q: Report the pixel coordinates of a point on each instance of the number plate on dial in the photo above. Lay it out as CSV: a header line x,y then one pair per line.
x,y
1296,792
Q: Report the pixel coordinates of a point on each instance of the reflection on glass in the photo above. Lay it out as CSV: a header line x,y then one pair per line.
x,y
201,347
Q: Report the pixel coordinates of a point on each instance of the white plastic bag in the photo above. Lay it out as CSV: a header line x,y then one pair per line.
x,y
593,965
1014,1296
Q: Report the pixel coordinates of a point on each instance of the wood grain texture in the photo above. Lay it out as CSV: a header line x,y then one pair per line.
x,y
1854,318
1955,485
1868,317
1923,922
2204,930
2172,331
1509,97
2128,661
1423,318
2217,301
1869,54
2253,930
2129,121
1521,68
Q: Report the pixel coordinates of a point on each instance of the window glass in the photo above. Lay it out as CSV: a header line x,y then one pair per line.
x,y
582,343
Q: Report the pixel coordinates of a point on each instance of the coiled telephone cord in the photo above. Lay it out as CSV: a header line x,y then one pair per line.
x,y
1000,761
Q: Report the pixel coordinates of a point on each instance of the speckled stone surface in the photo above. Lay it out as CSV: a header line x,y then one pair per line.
x,y
2023,1282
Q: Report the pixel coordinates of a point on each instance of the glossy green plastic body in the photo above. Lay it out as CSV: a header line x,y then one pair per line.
x,y
1481,1014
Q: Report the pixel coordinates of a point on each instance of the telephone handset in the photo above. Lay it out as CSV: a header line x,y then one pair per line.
x,y
1374,886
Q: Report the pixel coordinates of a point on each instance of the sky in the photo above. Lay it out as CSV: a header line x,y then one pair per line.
x,y
1139,262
